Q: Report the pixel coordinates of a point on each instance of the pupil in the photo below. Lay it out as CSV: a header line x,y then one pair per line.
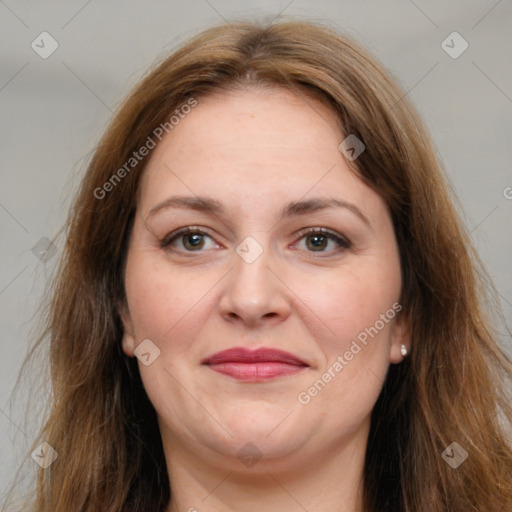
x,y
194,240
318,241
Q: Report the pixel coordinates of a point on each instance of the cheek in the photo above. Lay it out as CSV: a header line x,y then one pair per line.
x,y
160,300
357,307
344,304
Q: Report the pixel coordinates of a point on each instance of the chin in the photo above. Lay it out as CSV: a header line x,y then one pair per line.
x,y
259,420
267,452
269,433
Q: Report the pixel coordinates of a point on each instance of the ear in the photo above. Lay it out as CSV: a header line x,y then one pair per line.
x,y
128,341
400,335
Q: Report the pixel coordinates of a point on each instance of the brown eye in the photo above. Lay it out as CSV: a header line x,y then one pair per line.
x,y
192,240
317,240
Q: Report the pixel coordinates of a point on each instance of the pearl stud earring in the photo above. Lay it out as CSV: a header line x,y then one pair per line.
x,y
403,350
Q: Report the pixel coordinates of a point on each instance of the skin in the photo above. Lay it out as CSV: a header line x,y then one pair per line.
x,y
255,151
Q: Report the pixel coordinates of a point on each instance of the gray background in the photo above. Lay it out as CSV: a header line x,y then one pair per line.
x,y
54,110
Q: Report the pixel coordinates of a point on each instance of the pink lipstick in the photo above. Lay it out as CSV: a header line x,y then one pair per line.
x,y
255,365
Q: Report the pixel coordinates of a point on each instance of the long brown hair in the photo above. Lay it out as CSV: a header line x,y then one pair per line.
x,y
452,387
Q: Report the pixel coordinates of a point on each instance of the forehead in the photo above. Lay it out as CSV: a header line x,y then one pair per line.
x,y
246,143
246,119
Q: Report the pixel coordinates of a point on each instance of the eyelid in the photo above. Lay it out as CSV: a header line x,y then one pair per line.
x,y
343,242
184,231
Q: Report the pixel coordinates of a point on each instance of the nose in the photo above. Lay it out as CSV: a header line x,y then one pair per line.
x,y
255,293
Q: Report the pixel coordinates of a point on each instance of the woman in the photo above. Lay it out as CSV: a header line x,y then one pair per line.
x,y
267,301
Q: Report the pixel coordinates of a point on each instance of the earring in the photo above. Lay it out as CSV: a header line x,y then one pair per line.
x,y
403,350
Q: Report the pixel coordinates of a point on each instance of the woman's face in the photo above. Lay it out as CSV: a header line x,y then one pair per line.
x,y
249,275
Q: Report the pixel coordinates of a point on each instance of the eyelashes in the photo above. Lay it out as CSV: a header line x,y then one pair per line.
x,y
193,240
324,235
186,232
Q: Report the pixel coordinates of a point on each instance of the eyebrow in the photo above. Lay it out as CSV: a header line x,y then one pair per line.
x,y
295,208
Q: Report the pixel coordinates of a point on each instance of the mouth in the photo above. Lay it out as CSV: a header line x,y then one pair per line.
x,y
255,365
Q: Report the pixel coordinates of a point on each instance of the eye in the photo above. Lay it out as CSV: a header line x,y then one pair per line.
x,y
317,239
192,239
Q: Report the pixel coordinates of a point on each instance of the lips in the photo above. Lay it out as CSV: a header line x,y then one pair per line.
x,y
244,355
255,365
